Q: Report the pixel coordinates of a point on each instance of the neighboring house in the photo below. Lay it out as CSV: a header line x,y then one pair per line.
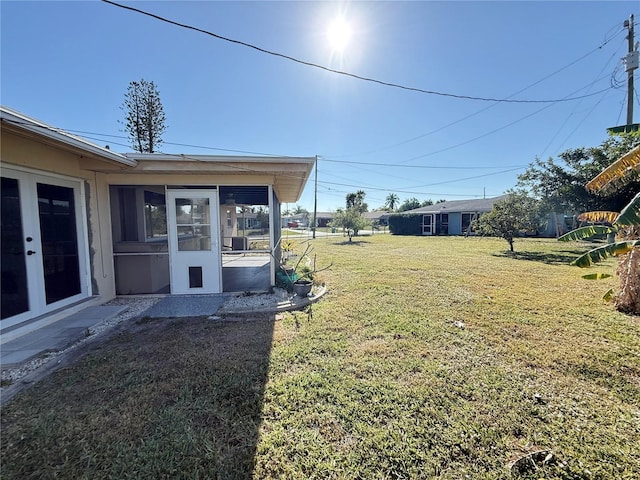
x,y
452,218
81,223
377,217
323,218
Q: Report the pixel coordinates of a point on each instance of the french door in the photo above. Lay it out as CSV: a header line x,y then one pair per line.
x,y
194,248
44,264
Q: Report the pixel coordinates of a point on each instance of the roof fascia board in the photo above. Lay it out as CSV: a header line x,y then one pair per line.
x,y
19,121
165,157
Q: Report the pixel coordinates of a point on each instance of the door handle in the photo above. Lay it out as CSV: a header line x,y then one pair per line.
x,y
30,252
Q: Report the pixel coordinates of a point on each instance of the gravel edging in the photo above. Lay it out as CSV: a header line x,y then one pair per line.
x,y
136,306
22,376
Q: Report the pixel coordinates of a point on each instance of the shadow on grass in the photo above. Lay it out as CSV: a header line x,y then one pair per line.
x,y
353,242
562,257
162,399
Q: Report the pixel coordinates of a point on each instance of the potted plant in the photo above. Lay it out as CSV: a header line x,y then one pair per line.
x,y
301,276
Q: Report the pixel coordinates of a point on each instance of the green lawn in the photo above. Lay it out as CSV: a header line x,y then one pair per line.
x,y
428,358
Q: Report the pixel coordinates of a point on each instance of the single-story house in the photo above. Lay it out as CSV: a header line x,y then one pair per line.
x,y
453,217
82,224
323,218
378,217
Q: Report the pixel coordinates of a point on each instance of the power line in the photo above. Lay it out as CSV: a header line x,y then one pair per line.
x,y
202,147
495,130
339,72
575,108
401,165
467,117
298,177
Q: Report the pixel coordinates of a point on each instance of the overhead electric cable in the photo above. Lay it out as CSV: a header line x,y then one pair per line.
x,y
386,189
495,130
339,72
482,110
435,167
203,147
573,112
298,177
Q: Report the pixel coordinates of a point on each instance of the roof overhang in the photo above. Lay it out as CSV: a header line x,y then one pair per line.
x,y
288,175
20,124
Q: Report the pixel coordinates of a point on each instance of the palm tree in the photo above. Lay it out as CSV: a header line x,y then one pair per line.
x,y
392,201
626,228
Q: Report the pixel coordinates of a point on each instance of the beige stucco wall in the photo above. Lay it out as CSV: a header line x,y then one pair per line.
x,y
42,158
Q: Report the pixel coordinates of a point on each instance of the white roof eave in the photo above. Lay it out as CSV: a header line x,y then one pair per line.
x,y
22,122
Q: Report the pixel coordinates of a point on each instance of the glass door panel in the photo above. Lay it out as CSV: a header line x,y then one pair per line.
x,y
60,258
15,295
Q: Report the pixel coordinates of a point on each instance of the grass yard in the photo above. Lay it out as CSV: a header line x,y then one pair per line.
x,y
429,358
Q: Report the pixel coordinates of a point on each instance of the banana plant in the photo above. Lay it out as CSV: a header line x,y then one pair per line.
x,y
629,217
624,225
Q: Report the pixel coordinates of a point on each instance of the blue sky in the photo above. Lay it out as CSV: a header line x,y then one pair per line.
x,y
69,64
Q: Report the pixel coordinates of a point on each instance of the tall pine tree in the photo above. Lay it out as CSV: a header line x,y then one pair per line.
x,y
145,118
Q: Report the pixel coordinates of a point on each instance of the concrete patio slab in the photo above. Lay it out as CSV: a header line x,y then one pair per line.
x,y
185,306
56,336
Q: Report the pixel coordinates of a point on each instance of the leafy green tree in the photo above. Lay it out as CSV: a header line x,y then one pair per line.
x,y
426,203
559,184
509,218
144,120
626,228
262,218
409,204
350,220
299,210
392,201
356,200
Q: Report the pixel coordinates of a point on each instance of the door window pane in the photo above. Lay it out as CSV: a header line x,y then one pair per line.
x,y
60,258
194,238
192,211
14,271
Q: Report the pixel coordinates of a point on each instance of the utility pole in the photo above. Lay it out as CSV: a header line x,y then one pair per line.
x,y
631,63
315,201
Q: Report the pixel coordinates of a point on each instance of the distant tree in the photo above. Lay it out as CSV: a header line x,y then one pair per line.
x,y
144,120
559,184
262,218
299,210
356,200
509,218
409,204
426,203
392,201
350,220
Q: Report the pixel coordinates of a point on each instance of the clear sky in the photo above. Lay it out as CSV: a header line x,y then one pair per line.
x,y
69,64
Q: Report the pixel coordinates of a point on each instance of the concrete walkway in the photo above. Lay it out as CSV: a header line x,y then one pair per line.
x,y
63,333
56,336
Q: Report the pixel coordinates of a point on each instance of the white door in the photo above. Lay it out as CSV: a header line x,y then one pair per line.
x,y
194,251
427,224
44,262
